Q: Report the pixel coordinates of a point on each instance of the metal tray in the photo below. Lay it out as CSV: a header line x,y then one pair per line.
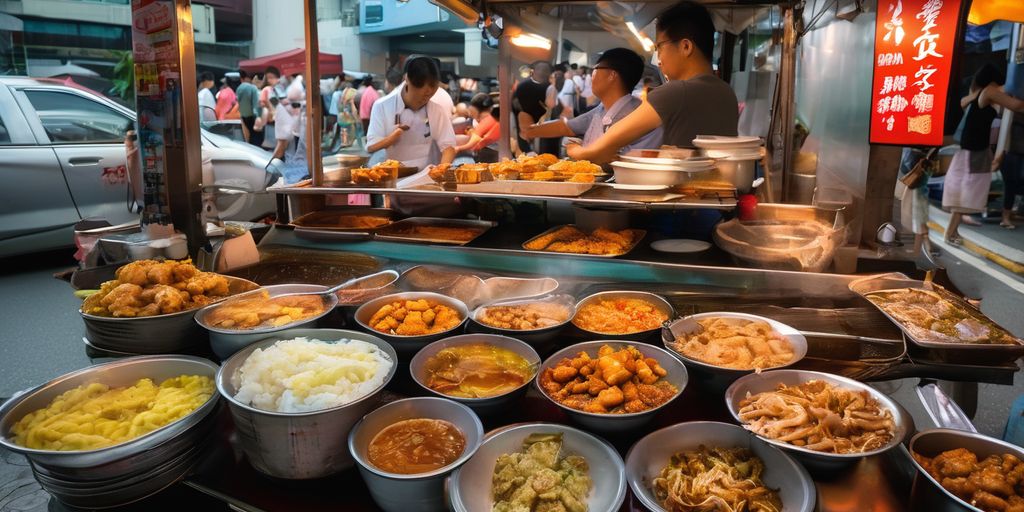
x,y
960,352
393,232
643,234
318,225
528,188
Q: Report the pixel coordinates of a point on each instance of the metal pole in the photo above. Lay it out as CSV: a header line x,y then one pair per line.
x,y
787,96
314,107
558,52
505,83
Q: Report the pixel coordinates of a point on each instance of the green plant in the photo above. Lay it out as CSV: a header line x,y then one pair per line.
x,y
124,77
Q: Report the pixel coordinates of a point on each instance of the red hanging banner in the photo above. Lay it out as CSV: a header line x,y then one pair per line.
x,y
914,42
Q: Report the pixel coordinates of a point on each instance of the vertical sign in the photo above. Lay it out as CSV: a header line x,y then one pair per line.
x,y
914,42
167,121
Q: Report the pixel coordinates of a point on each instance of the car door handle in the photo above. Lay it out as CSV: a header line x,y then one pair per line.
x,y
84,160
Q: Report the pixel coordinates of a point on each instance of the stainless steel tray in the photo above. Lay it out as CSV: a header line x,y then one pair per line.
x,y
636,242
318,225
394,232
972,351
528,188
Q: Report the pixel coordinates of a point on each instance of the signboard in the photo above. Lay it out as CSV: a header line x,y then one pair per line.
x,y
914,42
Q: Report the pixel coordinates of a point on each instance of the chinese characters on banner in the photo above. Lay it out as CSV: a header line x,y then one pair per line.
x,y
914,42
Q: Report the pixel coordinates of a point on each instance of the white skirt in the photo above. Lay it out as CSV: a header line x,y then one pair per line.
x,y
962,190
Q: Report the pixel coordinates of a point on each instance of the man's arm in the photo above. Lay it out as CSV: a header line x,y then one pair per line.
x,y
550,129
443,133
637,124
280,148
448,155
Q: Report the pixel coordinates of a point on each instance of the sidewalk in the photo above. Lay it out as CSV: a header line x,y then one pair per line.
x,y
1001,246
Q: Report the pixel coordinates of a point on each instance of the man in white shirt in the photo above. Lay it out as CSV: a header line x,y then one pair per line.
x,y
290,131
207,103
407,123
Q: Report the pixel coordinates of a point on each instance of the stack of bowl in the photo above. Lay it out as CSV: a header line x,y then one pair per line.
x,y
127,472
735,157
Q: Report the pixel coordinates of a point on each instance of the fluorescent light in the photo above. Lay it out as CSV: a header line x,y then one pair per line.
x,y
528,40
644,40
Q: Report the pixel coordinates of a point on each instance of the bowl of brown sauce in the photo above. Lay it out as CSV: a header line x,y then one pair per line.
x,y
406,449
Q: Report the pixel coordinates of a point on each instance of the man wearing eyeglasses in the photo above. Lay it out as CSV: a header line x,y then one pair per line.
x,y
407,124
616,74
693,102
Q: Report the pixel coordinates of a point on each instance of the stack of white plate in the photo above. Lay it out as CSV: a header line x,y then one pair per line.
x,y
635,171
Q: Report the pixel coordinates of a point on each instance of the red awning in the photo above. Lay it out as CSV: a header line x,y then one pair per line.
x,y
293,61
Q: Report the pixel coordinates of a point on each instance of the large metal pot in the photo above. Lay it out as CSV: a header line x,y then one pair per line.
x,y
299,445
160,334
127,472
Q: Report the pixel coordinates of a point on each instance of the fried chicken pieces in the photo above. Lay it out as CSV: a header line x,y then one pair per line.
x,y
616,382
994,484
150,288
570,239
414,318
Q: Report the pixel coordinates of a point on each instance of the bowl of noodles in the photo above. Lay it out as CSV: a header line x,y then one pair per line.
x,y
734,471
724,346
824,420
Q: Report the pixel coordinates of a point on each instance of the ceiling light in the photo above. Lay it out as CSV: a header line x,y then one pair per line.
x,y
528,40
644,40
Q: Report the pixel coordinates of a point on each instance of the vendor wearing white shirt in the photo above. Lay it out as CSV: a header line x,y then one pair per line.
x,y
616,73
406,123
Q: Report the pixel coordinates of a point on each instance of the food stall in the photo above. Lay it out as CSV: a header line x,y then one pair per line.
x,y
374,362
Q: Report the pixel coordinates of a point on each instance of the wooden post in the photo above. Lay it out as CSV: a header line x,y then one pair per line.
x,y
314,107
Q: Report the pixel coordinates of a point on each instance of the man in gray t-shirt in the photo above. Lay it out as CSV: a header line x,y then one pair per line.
x,y
693,102
616,74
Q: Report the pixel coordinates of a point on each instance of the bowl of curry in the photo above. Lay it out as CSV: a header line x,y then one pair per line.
x,y
610,385
627,315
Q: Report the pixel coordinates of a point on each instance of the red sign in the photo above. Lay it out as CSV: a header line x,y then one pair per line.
x,y
914,42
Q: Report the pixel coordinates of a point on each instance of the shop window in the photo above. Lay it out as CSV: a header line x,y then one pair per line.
x,y
72,119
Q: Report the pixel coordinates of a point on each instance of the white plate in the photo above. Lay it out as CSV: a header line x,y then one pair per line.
x,y
622,186
693,166
680,245
721,142
653,160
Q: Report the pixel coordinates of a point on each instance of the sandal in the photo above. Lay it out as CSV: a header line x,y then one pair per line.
x,y
1007,225
955,240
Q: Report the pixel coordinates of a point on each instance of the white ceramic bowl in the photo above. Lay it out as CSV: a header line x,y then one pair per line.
x,y
469,489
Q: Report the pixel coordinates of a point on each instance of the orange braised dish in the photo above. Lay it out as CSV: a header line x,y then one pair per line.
x,y
414,318
619,316
615,382
264,311
416,446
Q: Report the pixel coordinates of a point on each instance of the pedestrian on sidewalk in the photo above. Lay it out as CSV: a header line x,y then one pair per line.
x,y
1012,168
914,195
967,183
248,97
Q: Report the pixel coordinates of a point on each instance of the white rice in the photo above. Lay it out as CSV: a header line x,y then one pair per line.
x,y
303,375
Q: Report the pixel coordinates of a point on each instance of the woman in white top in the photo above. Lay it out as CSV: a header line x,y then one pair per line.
x,y
407,124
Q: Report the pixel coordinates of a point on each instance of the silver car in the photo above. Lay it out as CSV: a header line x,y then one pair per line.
x,y
62,159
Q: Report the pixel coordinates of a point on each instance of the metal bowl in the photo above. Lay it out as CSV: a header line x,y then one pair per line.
x,y
160,334
407,346
225,342
717,376
614,423
927,493
540,339
423,491
481,405
126,472
299,445
650,454
469,489
769,381
382,283
657,300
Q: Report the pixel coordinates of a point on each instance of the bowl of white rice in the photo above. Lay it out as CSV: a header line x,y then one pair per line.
x,y
295,396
